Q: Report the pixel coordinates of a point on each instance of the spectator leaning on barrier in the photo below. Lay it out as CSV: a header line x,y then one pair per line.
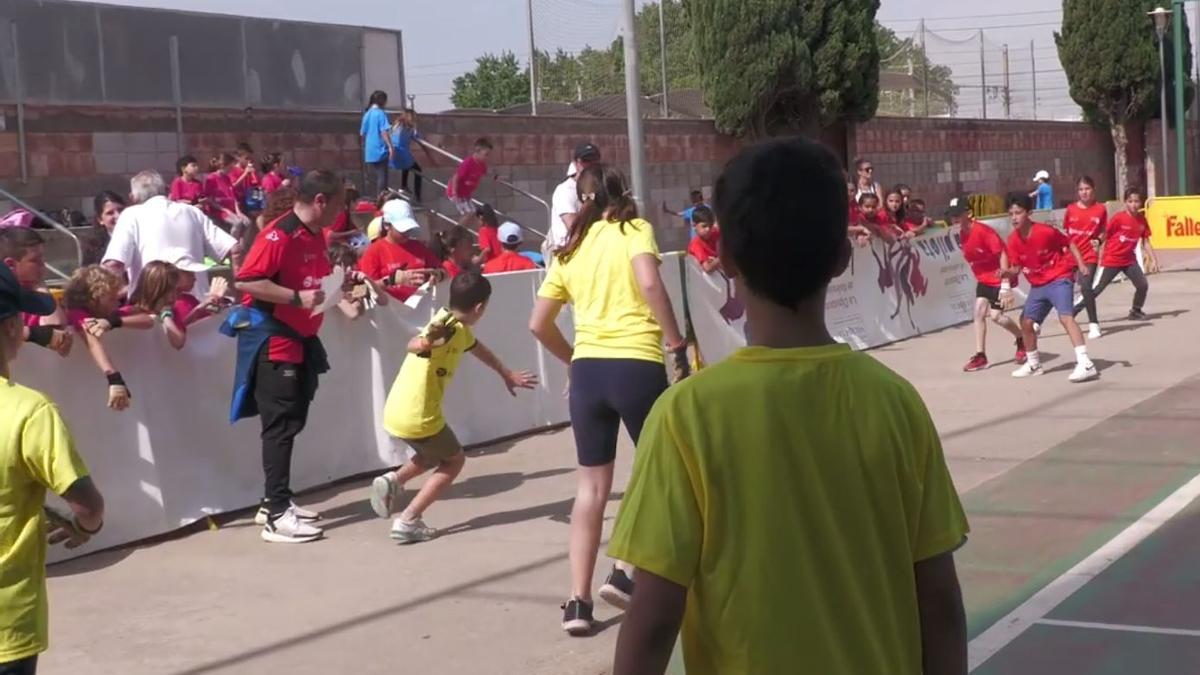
x,y
510,260
705,247
37,453
279,354
23,252
565,203
155,228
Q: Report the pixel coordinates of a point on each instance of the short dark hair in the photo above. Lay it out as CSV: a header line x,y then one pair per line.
x,y
1019,199
864,197
696,193
184,161
105,196
780,257
468,290
483,144
378,97
17,242
1134,190
244,149
318,182
703,214
1085,180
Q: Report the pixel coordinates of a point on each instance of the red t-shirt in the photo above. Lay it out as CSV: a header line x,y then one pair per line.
x,y
704,250
244,187
451,268
981,248
31,320
1044,256
384,256
271,182
185,304
292,256
508,261
190,191
219,189
1084,225
469,173
489,241
1121,239
75,317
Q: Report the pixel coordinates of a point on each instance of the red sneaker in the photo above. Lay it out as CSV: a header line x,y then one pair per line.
x,y
977,362
1021,356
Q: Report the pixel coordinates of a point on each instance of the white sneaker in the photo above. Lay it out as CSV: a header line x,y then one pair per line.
x,y
383,495
411,533
288,529
1028,370
1094,331
1083,372
1037,328
303,515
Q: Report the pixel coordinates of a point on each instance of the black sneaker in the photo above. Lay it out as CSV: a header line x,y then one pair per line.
x,y
617,589
577,617
1136,314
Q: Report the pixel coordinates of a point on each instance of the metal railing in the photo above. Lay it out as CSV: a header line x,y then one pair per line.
x,y
524,193
54,224
423,207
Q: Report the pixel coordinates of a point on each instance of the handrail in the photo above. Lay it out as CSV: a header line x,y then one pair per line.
x,y
54,224
499,213
514,188
405,196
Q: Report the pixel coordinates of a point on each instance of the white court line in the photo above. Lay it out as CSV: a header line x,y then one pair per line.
x,y
1004,631
1119,627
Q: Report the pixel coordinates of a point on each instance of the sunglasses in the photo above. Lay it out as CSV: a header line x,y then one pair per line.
x,y
869,169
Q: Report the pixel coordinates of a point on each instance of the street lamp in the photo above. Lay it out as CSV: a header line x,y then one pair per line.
x,y
1162,18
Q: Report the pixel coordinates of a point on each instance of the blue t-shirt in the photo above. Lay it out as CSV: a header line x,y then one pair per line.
x,y
402,139
374,122
1045,197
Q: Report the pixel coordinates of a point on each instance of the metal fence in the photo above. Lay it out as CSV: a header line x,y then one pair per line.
x,y
59,52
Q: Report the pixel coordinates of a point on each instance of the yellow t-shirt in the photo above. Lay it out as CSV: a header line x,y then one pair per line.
x,y
414,405
36,453
791,491
612,319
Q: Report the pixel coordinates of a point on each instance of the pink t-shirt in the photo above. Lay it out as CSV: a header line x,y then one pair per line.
x,y
190,191
469,173
31,320
185,303
75,317
244,187
219,188
271,182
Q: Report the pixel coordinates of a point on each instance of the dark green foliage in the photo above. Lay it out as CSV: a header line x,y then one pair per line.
x,y
496,82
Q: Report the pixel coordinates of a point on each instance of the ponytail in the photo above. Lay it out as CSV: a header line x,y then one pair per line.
x,y
604,195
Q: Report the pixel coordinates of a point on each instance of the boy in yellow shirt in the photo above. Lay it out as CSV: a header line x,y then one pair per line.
x,y
783,529
413,411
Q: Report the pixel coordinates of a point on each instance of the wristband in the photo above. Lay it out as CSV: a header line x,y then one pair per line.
x,y
40,335
115,380
1005,285
115,320
86,531
295,301
166,314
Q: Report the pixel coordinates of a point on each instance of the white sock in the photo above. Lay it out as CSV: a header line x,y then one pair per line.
x,y
1081,356
1034,359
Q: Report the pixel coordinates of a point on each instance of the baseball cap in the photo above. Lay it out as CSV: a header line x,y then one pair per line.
x,y
399,215
14,298
510,233
1041,175
587,152
958,206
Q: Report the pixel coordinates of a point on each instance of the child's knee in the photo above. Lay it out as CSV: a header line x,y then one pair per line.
x,y
453,464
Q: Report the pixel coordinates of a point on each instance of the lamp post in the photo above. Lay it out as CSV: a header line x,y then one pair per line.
x,y
1180,78
1162,17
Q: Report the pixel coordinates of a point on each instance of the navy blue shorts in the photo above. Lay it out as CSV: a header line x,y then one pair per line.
x,y
1057,295
605,393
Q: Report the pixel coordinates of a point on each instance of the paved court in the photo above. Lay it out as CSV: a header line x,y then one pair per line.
x,y
1049,471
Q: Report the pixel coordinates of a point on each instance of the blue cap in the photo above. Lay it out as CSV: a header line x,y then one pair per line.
x,y
14,298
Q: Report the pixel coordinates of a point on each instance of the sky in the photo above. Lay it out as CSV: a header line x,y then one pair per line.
x,y
443,37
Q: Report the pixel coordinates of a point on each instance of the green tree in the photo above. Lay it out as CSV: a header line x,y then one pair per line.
x,y
943,93
681,55
1110,55
496,82
786,66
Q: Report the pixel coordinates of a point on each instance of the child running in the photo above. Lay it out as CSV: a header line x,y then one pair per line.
x,y
1118,253
413,411
1085,222
817,541
1049,259
983,250
465,180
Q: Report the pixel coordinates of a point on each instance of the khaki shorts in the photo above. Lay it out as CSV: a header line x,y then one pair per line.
x,y
432,450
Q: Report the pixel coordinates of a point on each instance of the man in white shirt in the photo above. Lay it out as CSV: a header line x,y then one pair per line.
x,y
565,203
154,228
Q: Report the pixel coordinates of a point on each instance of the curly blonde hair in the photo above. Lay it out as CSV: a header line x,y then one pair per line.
x,y
89,286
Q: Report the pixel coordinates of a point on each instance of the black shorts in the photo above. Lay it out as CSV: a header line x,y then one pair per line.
x,y
605,393
989,293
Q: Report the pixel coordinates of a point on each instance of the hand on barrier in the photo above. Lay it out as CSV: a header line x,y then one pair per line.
x,y
60,342
63,529
519,379
118,392
96,327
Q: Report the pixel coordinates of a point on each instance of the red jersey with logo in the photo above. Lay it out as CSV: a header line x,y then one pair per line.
x,y
489,241
292,256
508,261
1044,256
704,250
1121,239
383,257
468,175
981,248
1083,225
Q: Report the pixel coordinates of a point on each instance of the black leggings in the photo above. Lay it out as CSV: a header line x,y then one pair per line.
x,y
1134,274
1089,296
25,666
605,393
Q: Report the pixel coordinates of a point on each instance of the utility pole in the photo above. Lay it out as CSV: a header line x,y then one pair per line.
x,y
910,93
662,53
1033,72
925,69
533,91
1007,90
982,75
1177,46
633,110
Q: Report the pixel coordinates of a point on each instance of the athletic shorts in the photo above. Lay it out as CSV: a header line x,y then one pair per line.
x,y
605,393
989,293
432,450
465,206
1057,295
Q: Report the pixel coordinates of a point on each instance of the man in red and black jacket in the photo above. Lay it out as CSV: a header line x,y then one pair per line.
x,y
281,279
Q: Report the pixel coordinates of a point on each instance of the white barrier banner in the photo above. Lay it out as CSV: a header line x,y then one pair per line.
x,y
173,458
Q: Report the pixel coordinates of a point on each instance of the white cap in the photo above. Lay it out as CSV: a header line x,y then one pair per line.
x,y
510,233
399,215
1041,175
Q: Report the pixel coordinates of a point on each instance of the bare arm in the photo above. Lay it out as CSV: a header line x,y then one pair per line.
x,y
138,321
650,626
1150,256
512,379
175,336
645,268
943,620
99,355
541,324
86,503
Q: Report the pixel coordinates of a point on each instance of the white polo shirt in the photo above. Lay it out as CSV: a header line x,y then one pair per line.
x,y
564,202
160,229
